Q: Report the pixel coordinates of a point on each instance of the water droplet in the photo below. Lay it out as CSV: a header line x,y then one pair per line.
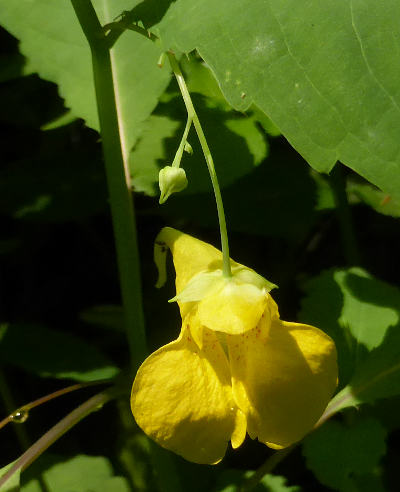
x,y
20,416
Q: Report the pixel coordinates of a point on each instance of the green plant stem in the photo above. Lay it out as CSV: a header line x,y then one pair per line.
x,y
51,436
121,206
10,405
209,160
265,468
122,209
349,242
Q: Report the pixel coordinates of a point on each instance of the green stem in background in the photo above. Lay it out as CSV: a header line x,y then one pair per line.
x,y
121,201
267,467
226,269
9,405
349,242
51,436
121,207
21,414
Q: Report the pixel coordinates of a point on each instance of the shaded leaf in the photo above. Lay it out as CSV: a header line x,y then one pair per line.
x,y
326,73
284,211
377,376
107,316
337,454
56,354
60,184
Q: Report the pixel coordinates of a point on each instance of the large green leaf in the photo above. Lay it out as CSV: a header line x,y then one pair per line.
x,y
79,474
326,73
338,454
53,42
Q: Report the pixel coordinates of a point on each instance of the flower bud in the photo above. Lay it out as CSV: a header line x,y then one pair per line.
x,y
171,180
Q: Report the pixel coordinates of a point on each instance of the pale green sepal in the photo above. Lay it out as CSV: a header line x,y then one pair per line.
x,y
202,285
245,275
188,148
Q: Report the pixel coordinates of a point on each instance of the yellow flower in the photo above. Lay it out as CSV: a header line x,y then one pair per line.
x,y
235,367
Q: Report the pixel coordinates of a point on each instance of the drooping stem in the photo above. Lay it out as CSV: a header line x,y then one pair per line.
x,y
122,208
178,156
209,160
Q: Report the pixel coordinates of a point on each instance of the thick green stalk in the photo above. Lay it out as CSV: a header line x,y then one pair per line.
x,y
348,238
121,202
122,209
210,163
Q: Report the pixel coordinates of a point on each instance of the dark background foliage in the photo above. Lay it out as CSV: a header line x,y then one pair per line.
x,y
59,290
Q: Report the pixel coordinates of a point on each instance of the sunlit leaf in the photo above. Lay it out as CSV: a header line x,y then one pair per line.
x,y
326,73
375,198
55,47
355,309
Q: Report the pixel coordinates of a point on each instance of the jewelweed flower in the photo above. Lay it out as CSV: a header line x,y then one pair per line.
x,y
236,367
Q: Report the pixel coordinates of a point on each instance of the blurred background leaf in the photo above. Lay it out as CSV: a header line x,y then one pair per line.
x,y
230,481
55,354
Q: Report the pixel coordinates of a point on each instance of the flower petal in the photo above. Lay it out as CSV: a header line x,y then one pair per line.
x,y
282,378
234,309
182,398
190,255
